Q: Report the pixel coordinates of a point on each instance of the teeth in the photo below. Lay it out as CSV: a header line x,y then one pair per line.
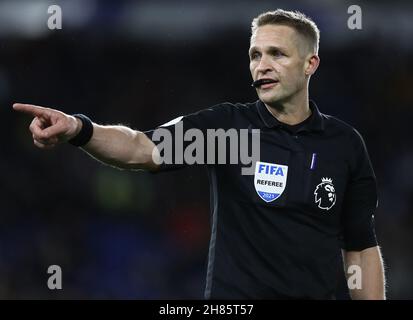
x,y
265,81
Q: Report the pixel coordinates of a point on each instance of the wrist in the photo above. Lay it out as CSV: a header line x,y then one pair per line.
x,y
84,130
78,126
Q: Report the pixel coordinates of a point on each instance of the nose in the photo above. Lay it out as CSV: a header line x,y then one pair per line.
x,y
264,65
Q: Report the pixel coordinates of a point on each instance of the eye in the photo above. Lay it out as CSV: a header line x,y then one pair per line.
x,y
254,55
277,54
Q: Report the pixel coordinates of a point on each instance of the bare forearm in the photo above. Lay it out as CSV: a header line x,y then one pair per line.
x,y
117,146
121,147
372,274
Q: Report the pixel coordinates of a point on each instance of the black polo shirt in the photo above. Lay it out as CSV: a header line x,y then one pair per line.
x,y
278,233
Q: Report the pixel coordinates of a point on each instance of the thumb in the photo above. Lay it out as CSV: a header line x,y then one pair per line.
x,y
53,131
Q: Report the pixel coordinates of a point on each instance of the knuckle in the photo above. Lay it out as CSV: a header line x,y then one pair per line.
x,y
32,126
39,140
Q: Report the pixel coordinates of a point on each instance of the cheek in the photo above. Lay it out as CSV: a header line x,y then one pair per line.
x,y
252,67
285,69
294,72
301,66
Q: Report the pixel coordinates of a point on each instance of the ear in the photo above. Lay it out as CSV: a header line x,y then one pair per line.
x,y
311,64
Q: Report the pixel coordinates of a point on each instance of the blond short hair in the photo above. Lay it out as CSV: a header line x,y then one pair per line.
x,y
304,25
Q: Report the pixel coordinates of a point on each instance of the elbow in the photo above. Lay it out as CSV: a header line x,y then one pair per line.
x,y
145,155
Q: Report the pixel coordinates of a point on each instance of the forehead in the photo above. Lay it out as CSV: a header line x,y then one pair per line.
x,y
274,35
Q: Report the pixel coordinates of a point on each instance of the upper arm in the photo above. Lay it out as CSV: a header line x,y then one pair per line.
x,y
170,140
360,200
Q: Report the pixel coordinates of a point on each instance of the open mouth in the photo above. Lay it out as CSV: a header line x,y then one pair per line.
x,y
266,83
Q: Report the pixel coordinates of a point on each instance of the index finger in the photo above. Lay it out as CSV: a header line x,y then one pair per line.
x,y
30,109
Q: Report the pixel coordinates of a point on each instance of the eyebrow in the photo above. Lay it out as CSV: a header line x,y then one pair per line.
x,y
269,48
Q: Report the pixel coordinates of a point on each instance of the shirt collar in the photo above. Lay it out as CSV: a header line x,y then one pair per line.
x,y
316,122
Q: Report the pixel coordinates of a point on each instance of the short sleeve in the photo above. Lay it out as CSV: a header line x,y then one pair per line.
x,y
184,138
360,199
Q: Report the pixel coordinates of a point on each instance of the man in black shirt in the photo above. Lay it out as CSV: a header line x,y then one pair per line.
x,y
276,230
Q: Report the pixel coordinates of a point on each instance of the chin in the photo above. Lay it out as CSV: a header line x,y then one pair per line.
x,y
269,99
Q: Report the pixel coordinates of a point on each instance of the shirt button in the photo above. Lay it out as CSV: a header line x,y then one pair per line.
x,y
296,137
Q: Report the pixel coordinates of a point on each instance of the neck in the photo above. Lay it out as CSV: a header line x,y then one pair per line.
x,y
291,112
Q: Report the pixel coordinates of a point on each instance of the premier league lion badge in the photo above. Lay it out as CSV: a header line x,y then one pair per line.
x,y
325,194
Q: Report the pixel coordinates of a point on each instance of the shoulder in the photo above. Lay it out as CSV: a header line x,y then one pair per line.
x,y
235,112
230,107
229,114
337,127
222,115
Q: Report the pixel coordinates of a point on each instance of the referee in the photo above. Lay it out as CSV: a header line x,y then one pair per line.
x,y
283,231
